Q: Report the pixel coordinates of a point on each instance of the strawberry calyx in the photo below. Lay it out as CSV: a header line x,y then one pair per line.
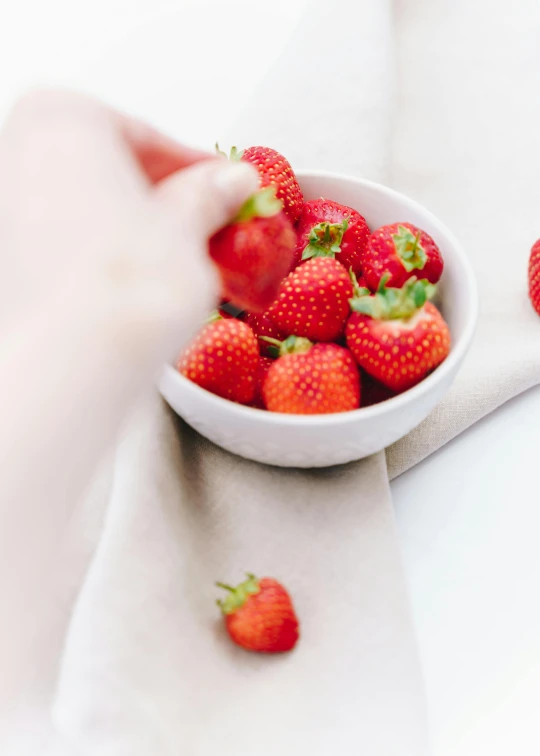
x,y
389,303
291,345
261,204
234,155
238,595
359,291
213,317
325,239
408,249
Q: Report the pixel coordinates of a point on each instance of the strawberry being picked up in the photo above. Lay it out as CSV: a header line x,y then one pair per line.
x,y
399,252
397,335
254,252
259,615
328,229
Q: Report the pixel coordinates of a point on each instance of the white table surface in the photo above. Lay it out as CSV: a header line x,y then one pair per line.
x,y
468,517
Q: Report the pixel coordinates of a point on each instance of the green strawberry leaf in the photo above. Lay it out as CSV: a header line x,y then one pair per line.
x,y
359,291
291,345
325,239
261,204
395,304
213,317
235,154
238,595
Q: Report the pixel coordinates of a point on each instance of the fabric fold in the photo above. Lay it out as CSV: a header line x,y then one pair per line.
x,y
148,665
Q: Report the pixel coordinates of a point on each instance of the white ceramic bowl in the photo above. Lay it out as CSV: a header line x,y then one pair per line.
x,y
322,440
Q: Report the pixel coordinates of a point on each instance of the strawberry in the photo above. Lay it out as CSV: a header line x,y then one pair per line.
x,y
260,376
396,335
254,252
274,170
313,300
263,325
259,615
534,276
223,358
312,379
327,229
398,251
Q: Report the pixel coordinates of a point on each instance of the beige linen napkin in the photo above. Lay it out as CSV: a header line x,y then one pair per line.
x,y
468,146
146,667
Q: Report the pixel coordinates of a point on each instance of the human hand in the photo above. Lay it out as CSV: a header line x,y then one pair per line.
x,y
103,233
99,204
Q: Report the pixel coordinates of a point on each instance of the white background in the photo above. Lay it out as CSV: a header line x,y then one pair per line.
x,y
468,517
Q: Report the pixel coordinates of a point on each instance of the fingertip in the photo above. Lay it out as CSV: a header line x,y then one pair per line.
x,y
207,195
235,182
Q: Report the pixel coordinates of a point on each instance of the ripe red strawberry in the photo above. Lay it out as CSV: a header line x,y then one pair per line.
x,y
534,276
223,359
396,335
259,615
312,379
263,325
313,300
327,229
275,170
400,251
254,252
260,376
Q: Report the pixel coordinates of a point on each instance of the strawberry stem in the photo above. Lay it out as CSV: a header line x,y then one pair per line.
x,y
270,340
225,586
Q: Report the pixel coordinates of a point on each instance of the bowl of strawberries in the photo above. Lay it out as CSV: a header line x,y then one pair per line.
x,y
345,312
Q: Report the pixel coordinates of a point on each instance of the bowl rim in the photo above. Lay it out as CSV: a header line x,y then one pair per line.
x,y
456,355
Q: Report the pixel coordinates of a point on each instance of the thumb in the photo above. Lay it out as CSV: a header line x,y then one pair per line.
x,y
205,196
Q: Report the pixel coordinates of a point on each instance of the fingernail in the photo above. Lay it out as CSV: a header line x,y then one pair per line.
x,y
236,181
